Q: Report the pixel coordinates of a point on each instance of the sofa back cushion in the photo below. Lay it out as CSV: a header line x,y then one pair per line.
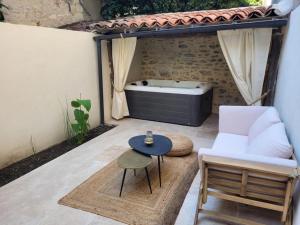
x,y
267,119
239,119
272,142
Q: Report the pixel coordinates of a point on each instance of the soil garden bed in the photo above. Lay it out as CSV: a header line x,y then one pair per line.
x,y
32,162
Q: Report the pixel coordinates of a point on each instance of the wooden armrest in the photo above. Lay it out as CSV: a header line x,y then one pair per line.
x,y
250,165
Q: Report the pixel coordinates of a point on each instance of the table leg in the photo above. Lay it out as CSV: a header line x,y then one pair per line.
x,y
158,159
134,172
124,174
162,158
148,179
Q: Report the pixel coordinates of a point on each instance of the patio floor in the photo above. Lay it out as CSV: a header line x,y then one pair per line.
x,y
32,199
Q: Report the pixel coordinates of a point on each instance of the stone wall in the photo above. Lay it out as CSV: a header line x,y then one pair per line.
x,y
198,58
50,13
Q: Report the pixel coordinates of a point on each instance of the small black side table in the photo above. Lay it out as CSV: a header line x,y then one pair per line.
x,y
161,145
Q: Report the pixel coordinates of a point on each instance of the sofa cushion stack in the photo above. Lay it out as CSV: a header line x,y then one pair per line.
x,y
252,134
267,136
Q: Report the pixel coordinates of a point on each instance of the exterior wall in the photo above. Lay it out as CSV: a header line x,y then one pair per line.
x,y
191,58
287,99
135,71
50,13
41,69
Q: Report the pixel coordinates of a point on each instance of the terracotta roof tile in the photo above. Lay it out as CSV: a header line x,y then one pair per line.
x,y
182,18
169,20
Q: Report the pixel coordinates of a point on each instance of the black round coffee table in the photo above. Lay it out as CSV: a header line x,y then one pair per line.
x,y
161,145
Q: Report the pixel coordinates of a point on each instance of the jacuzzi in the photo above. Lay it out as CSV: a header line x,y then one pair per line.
x,y
180,102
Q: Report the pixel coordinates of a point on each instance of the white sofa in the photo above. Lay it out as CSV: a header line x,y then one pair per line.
x,y
232,141
250,161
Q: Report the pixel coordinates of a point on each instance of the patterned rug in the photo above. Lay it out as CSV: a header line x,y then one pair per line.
x,y
99,194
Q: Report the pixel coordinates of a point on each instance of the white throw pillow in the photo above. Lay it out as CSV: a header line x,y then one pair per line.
x,y
272,142
267,119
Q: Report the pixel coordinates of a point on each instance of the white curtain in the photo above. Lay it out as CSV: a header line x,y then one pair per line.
x,y
122,54
246,52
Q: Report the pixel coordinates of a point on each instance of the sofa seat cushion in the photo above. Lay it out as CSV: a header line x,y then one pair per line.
x,y
230,143
272,142
249,158
267,119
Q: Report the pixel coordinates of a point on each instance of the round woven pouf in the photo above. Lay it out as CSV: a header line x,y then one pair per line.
x,y
181,145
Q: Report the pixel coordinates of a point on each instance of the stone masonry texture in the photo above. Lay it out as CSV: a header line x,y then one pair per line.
x,y
197,58
49,13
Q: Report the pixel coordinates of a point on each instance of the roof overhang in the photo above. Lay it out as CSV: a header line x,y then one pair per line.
x,y
274,22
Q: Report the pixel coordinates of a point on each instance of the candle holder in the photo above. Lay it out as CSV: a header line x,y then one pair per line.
x,y
149,138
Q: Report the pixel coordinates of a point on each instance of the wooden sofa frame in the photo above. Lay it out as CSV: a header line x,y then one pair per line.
x,y
256,184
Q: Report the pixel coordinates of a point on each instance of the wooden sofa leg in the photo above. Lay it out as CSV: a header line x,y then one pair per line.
x,y
289,217
205,185
286,201
200,200
199,206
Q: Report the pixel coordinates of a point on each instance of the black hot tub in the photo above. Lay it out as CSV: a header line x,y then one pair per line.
x,y
180,102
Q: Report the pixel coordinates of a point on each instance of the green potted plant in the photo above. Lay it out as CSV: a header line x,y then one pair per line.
x,y
81,113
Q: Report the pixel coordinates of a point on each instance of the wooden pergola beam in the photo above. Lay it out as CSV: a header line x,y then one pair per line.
x,y
262,23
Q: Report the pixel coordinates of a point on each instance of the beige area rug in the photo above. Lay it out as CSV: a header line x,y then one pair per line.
x,y
100,193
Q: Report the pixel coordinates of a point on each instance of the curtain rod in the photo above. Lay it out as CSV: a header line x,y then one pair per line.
x,y
275,22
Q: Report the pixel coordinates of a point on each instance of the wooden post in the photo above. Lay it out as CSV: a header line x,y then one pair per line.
x,y
204,198
272,67
100,76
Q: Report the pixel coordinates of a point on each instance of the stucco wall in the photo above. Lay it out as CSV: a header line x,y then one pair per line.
x,y
50,13
195,57
39,69
287,99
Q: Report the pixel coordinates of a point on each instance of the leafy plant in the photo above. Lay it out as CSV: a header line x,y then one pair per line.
x,y
32,145
81,113
119,8
68,123
1,10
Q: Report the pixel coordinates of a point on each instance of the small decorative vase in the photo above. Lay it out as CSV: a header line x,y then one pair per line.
x,y
149,138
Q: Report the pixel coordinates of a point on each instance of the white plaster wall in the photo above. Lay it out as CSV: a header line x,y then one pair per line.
x,y
39,69
287,99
